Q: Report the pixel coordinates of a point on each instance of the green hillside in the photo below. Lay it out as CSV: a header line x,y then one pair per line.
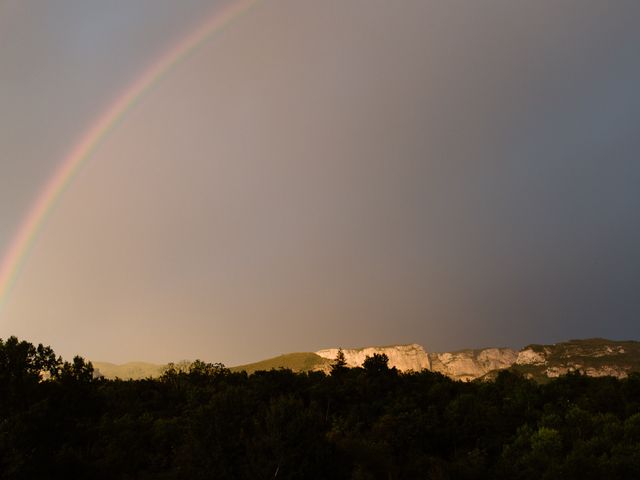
x,y
298,362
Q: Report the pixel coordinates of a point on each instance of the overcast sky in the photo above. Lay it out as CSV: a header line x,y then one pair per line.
x,y
337,173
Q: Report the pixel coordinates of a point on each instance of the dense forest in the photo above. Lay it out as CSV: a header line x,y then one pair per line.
x,y
205,422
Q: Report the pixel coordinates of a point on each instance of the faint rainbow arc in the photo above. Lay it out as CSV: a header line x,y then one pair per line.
x,y
14,258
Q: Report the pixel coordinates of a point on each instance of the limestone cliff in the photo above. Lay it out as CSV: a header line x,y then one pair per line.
x,y
403,357
462,365
471,364
593,357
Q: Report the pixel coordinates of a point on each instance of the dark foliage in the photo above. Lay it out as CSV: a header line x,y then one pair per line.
x,y
205,422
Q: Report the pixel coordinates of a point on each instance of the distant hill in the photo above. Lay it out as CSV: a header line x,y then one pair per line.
x,y
298,362
127,371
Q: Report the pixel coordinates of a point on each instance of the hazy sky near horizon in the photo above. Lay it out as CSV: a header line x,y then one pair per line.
x,y
337,173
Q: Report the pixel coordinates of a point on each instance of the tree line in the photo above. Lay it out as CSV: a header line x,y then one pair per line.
x,y
205,422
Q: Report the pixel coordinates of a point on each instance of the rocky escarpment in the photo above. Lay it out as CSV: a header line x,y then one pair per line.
x,y
471,364
595,357
403,357
461,365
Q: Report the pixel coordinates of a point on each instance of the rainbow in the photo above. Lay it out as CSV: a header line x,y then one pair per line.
x,y
15,256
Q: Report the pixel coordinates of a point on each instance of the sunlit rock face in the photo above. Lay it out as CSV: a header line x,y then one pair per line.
x,y
595,357
403,357
471,364
462,365
592,357
528,356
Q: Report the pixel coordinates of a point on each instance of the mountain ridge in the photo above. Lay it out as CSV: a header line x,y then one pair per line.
x,y
592,356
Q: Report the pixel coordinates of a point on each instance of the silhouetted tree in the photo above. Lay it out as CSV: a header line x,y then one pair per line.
x,y
376,364
339,365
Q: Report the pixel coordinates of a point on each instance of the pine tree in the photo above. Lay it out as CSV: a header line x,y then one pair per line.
x,y
339,364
